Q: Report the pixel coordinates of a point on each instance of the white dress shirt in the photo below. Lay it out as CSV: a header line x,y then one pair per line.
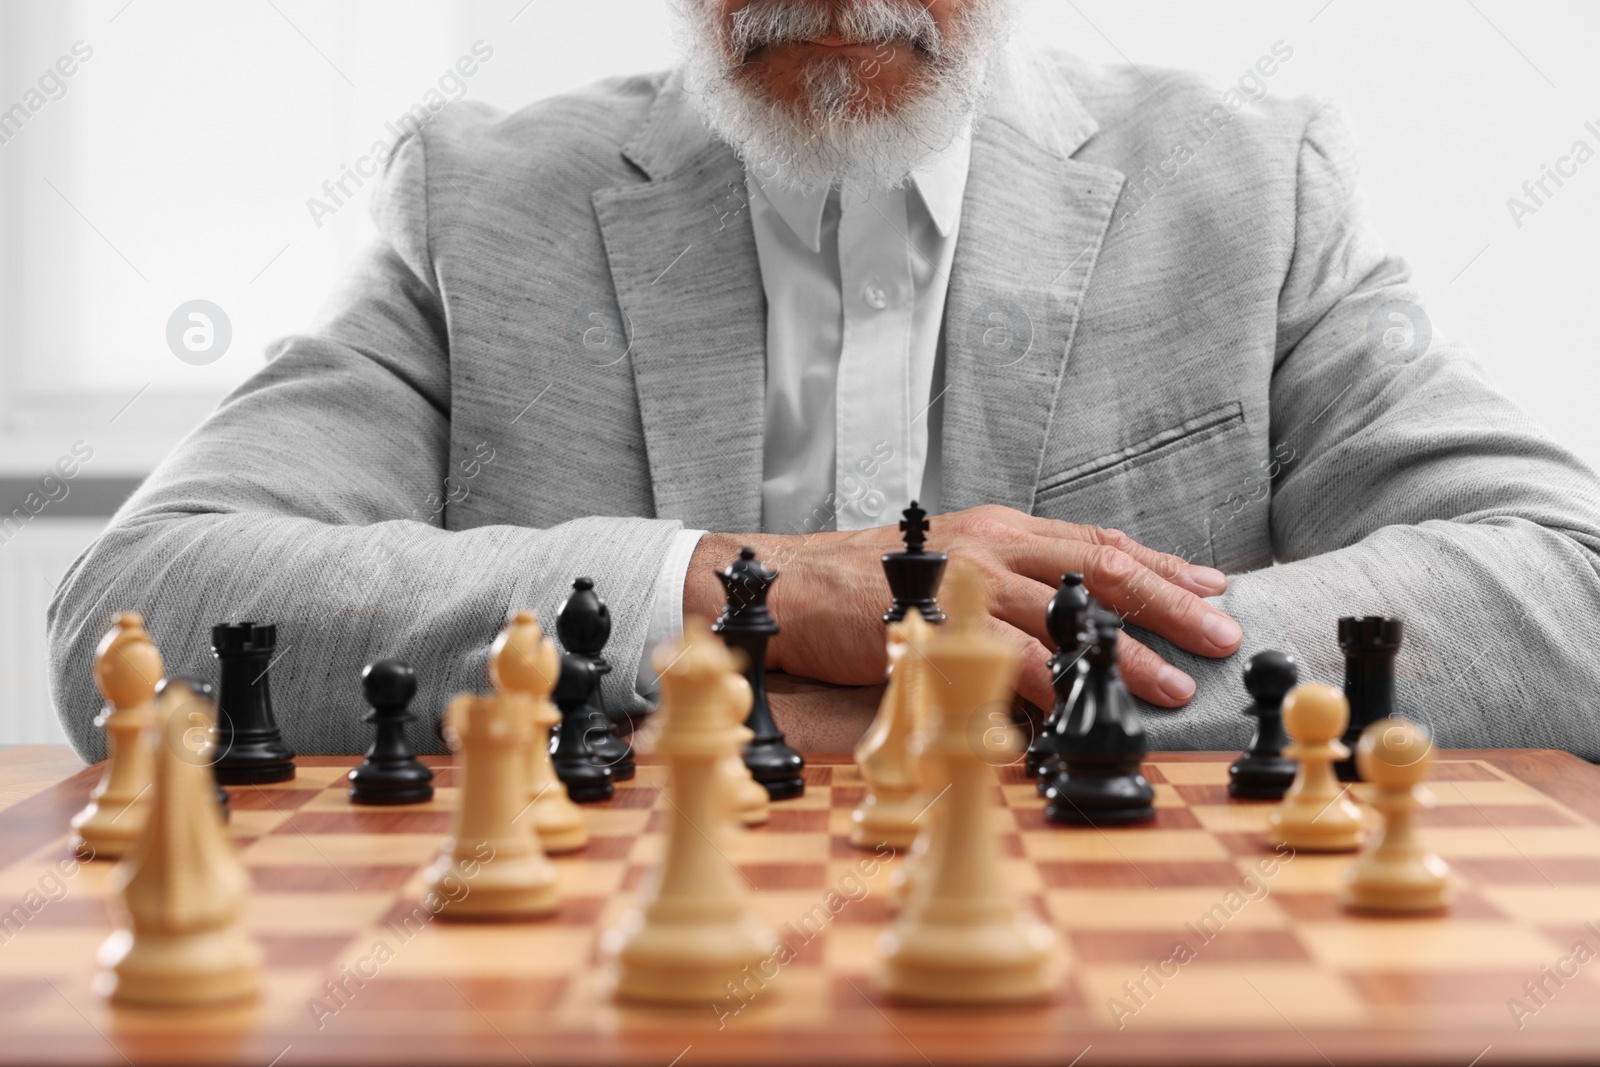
x,y
855,288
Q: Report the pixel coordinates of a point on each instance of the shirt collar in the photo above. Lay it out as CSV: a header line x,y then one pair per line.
x,y
941,181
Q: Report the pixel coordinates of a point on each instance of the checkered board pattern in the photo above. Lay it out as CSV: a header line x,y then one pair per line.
x,y
1274,970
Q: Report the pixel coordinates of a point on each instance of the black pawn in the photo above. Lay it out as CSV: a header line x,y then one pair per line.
x,y
586,779
1263,773
746,624
583,623
1097,782
1066,618
914,574
391,772
1369,646
251,747
179,724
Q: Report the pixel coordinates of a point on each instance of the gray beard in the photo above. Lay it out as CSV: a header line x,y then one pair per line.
x,y
839,133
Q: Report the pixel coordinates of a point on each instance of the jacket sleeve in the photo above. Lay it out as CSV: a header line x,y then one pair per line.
x,y
1407,485
315,498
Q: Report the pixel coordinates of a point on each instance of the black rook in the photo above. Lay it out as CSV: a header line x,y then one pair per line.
x,y
252,750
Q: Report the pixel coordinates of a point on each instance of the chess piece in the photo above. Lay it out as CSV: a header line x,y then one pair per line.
x,y
523,660
391,772
198,711
127,668
1066,619
1262,773
500,861
1369,645
178,897
583,622
695,929
961,936
1317,814
747,625
887,813
1395,873
751,805
914,574
253,752
588,781
1097,780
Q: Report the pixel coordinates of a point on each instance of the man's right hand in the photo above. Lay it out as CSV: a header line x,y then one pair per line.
x,y
833,593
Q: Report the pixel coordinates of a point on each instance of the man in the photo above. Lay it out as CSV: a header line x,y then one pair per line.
x,y
858,252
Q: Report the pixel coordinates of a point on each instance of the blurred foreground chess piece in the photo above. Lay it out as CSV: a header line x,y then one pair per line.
x,y
1066,619
1263,773
1395,873
746,624
1369,645
695,928
127,669
1317,815
391,772
523,660
251,746
178,898
961,936
887,814
492,866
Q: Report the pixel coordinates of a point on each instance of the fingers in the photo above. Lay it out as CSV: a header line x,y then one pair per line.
x,y
1150,677
1138,594
1202,581
1146,674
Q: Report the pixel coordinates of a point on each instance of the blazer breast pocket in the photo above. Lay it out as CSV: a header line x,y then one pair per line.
x,y
1162,490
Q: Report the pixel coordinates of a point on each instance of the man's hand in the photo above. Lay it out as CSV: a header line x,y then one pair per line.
x,y
832,596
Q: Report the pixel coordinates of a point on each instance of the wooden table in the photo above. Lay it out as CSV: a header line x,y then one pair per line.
x,y
1288,978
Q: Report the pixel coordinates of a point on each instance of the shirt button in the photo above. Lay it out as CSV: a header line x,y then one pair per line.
x,y
876,296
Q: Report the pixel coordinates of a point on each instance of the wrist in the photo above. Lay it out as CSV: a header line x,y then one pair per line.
x,y
703,593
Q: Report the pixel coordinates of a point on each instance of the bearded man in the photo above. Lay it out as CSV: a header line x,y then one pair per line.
x,y
856,253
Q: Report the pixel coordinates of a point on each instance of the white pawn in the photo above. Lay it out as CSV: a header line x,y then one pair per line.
x,y
1317,814
127,669
178,897
695,930
962,936
888,813
500,864
1395,873
752,806
523,660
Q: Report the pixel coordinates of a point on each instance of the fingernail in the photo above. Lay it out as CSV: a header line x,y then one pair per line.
x,y
1209,577
1221,630
1174,683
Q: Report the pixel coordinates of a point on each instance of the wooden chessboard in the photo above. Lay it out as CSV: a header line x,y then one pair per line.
x,y
1276,974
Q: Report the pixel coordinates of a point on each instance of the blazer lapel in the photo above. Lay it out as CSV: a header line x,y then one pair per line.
x,y
1032,222
683,261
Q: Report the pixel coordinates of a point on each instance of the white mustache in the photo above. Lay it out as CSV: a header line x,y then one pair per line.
x,y
768,22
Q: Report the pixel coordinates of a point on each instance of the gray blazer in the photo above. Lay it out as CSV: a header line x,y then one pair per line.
x,y
553,358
